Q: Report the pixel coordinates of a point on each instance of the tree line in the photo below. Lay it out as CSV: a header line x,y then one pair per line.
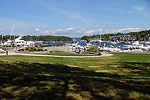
x,y
45,38
142,35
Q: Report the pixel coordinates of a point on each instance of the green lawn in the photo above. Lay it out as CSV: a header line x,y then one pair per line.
x,y
62,53
122,76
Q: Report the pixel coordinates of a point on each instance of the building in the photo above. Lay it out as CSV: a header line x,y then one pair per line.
x,y
122,38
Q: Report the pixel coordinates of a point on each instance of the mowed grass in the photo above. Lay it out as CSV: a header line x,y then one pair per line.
x,y
62,53
122,76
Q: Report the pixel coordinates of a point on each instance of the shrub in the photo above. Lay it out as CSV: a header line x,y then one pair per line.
x,y
27,49
44,45
39,49
21,50
50,51
93,49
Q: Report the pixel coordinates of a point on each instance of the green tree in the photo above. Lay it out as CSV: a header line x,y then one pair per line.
x,y
93,49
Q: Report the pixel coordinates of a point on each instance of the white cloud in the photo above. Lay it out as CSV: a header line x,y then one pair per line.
x,y
92,31
65,30
72,31
122,30
69,30
138,8
37,29
127,12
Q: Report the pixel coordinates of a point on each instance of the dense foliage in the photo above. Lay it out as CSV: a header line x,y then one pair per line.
x,y
8,37
40,38
31,49
47,38
140,35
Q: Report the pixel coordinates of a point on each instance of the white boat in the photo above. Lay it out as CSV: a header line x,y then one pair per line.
x,y
135,43
88,45
30,43
8,43
114,42
1,50
19,42
147,42
127,47
114,49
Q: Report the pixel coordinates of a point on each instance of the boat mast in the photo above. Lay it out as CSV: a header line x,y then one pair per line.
x,y
14,32
11,33
100,36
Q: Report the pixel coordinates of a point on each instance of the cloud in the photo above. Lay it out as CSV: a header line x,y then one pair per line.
x,y
138,8
124,30
36,29
68,31
81,32
50,32
65,30
128,12
93,31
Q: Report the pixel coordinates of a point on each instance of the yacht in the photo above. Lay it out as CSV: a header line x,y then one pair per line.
x,y
18,42
8,42
135,43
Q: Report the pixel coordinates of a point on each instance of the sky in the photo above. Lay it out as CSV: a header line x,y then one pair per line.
x,y
73,18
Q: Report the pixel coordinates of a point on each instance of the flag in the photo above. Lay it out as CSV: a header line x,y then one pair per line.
x,y
2,36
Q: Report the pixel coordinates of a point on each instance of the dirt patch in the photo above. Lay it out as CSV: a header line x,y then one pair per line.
x,y
135,70
105,70
116,66
129,70
138,65
72,66
102,71
94,66
126,70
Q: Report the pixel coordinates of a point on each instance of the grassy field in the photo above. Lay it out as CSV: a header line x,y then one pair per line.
x,y
62,53
122,76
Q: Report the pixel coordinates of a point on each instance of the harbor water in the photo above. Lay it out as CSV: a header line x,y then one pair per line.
x,y
83,43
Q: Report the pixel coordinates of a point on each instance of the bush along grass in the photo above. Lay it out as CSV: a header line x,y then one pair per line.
x,y
31,49
50,45
2,52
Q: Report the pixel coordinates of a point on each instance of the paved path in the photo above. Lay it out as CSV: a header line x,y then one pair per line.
x,y
104,55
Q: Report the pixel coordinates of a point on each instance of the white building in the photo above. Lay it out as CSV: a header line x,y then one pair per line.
x,y
19,42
